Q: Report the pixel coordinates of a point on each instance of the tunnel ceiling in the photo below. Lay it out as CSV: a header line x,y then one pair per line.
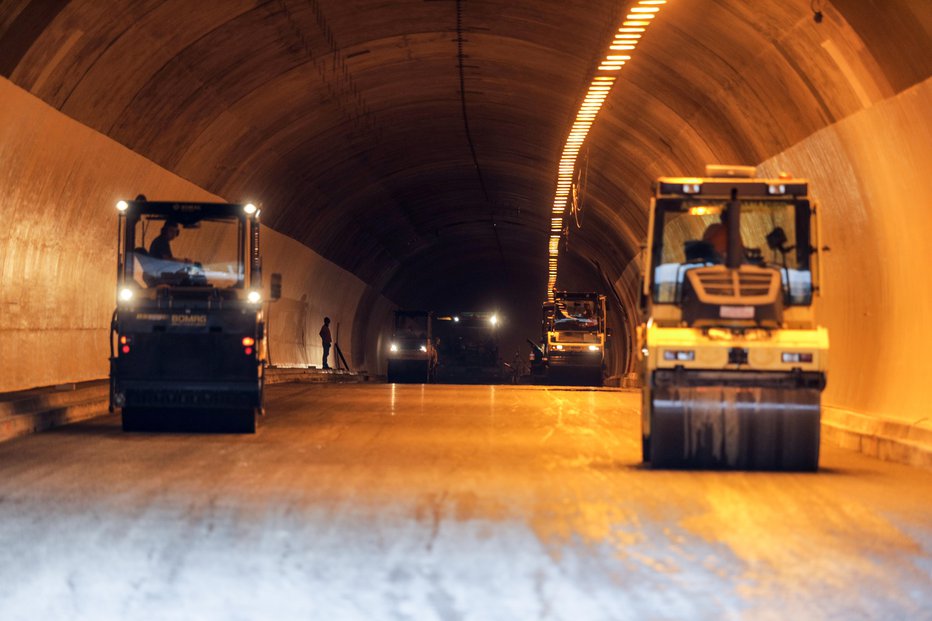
x,y
415,142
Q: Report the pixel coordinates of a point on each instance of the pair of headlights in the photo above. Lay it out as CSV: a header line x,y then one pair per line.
x,y
126,294
394,348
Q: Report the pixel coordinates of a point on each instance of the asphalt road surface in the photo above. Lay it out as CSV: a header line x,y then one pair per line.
x,y
449,503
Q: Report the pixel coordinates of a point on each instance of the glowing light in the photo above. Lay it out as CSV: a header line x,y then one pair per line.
x,y
625,40
249,208
122,205
254,297
248,341
126,294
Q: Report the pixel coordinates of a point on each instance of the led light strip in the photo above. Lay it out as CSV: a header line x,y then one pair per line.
x,y
620,52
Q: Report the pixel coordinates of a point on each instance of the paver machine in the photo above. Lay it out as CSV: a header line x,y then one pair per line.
x,y
733,361
575,338
412,357
188,333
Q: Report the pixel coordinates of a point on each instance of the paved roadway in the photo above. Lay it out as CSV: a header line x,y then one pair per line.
x,y
449,503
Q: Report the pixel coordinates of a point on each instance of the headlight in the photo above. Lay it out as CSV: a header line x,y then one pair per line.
x,y
423,348
249,208
493,320
126,294
593,348
393,347
558,347
122,205
254,296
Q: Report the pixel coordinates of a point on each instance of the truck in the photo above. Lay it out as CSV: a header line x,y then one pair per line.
x,y
733,361
574,348
187,337
412,356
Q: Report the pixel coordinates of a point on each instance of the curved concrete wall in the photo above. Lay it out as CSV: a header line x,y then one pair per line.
x,y
870,176
58,185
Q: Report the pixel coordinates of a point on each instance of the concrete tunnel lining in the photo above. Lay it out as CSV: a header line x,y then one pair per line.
x,y
841,102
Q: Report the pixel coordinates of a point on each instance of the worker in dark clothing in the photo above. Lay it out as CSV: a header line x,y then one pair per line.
x,y
161,246
326,340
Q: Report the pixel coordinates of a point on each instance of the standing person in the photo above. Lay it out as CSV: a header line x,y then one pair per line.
x,y
326,340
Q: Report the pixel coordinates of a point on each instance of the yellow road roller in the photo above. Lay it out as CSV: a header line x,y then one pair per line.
x,y
732,361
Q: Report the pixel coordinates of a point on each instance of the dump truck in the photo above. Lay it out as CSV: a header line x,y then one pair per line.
x,y
188,339
733,362
574,348
412,357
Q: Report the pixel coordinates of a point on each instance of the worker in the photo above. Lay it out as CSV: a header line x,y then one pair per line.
x,y
717,236
326,340
161,246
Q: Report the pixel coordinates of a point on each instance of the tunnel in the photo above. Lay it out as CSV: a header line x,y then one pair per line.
x,y
405,155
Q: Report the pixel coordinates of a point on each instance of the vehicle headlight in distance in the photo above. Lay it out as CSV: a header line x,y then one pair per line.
x,y
558,347
593,348
393,347
249,208
423,348
122,205
126,294
254,296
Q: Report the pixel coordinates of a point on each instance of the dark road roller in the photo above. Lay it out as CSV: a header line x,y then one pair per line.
x,y
733,363
188,339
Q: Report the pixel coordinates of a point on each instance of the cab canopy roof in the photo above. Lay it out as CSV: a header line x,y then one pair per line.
x,y
187,212
723,181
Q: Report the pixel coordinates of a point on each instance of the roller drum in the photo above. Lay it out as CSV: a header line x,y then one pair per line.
x,y
748,428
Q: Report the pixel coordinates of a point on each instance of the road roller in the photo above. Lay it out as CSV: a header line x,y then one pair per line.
x,y
187,338
733,362
575,332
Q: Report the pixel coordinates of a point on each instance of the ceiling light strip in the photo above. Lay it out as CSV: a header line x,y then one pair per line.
x,y
626,39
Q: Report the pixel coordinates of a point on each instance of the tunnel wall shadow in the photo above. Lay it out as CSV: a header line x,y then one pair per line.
x,y
60,182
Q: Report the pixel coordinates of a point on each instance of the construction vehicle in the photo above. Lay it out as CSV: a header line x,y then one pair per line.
x,y
468,343
187,339
574,348
733,362
412,356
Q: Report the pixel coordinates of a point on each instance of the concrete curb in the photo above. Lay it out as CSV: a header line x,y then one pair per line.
x,y
298,375
886,439
31,411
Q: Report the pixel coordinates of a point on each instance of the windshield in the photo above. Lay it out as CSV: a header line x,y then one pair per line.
x,y
576,315
205,253
411,327
692,233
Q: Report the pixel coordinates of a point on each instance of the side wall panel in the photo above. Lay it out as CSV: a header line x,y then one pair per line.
x,y
870,174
